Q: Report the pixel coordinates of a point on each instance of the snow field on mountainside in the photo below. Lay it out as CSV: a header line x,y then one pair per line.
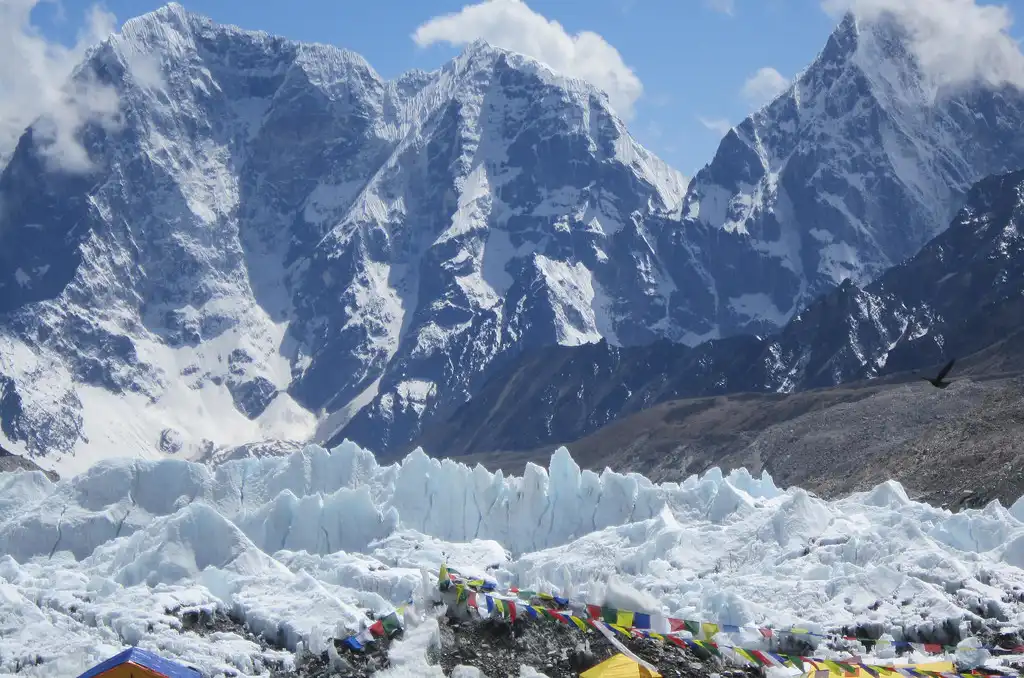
x,y
301,546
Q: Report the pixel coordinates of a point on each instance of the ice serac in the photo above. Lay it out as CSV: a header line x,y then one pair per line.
x,y
278,243
847,173
322,502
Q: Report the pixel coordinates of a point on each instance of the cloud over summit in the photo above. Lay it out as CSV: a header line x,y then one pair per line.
x,y
512,25
957,42
34,84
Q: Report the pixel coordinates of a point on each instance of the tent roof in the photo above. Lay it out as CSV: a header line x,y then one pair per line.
x,y
618,666
155,663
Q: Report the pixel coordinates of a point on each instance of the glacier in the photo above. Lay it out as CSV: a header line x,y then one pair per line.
x,y
301,546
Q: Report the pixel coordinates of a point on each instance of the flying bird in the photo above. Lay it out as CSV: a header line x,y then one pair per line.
x,y
937,382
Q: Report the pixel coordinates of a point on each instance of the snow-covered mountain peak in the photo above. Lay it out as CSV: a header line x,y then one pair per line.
x,y
481,57
171,35
848,172
277,242
172,16
897,80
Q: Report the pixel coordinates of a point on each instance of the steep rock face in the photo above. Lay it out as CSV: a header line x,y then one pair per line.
x,y
276,239
505,225
848,173
560,393
962,293
966,286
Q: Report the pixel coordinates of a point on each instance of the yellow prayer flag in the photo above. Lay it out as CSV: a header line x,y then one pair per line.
x,y
709,630
442,575
624,618
746,655
578,622
934,667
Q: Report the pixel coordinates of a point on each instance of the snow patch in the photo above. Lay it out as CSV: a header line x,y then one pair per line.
x,y
758,306
581,307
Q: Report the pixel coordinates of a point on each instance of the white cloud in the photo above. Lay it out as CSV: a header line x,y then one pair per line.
x,y
144,68
34,82
764,86
720,125
723,6
957,42
511,25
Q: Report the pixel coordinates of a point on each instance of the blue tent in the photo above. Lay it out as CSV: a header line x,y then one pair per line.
x,y
136,663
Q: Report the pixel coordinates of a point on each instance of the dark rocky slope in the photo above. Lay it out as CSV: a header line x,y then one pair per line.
x,y
961,295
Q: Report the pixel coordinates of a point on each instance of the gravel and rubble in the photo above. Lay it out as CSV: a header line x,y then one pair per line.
x,y
496,647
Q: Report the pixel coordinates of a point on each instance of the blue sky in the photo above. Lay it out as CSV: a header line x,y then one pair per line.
x,y
693,57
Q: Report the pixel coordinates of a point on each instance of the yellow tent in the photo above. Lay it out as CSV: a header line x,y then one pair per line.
x,y
938,667
619,666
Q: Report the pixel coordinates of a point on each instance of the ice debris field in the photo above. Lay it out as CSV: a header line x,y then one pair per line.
x,y
302,546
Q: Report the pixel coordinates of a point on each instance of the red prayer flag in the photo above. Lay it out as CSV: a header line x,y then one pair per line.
x,y
557,615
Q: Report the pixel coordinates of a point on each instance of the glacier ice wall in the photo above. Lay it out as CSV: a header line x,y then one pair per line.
x,y
322,502
297,545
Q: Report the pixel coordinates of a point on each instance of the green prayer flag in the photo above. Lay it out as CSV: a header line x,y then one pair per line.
x,y
391,623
